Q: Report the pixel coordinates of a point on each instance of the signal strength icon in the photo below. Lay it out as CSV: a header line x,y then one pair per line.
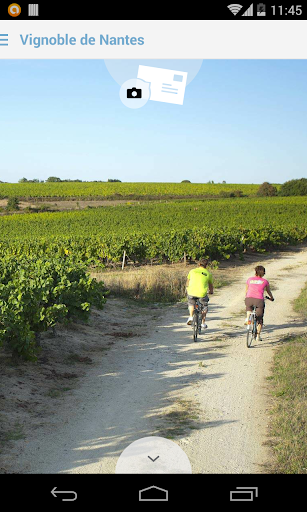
x,y
235,8
249,11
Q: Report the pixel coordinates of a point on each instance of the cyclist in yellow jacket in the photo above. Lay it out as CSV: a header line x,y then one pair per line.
x,y
199,282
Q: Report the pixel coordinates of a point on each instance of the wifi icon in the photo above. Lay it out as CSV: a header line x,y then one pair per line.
x,y
235,8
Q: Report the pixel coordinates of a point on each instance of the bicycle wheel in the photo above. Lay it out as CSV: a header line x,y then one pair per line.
x,y
195,326
255,332
249,334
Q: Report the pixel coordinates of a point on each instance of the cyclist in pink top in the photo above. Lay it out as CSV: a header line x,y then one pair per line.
x,y
255,288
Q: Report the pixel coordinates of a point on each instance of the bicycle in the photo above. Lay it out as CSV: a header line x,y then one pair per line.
x,y
197,318
252,326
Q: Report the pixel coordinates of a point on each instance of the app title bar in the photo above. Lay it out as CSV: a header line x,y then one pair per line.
x,y
153,40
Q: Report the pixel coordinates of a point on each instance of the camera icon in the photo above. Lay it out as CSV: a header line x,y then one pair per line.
x,y
134,93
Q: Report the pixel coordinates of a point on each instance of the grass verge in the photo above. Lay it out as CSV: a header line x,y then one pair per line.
x,y
300,304
289,388
288,427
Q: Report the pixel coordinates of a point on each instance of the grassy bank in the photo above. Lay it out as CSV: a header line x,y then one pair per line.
x,y
300,305
289,414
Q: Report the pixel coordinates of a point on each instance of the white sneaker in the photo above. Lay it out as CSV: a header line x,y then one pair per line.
x,y
259,338
190,320
204,326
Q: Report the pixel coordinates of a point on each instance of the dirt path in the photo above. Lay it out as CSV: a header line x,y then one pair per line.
x,y
209,397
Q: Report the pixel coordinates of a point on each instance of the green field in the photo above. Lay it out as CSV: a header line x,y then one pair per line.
x,y
164,231
91,190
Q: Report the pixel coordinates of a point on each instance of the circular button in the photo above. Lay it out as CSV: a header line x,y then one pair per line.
x,y
134,93
153,455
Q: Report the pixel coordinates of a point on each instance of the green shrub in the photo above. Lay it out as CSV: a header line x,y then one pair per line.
x,y
12,204
267,190
294,188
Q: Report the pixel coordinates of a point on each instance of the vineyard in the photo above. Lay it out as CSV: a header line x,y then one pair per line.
x,y
37,293
92,190
45,257
162,231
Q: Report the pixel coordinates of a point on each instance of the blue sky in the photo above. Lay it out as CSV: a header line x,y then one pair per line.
x,y
241,121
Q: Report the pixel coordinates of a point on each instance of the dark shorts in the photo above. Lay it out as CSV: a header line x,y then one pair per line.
x,y
203,300
259,304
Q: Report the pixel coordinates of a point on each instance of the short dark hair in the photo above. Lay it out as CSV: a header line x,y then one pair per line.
x,y
203,262
258,269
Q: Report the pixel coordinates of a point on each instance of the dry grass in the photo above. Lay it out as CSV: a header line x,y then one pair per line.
x,y
181,418
160,283
150,284
289,415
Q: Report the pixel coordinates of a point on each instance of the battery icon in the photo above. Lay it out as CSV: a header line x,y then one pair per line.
x,y
261,10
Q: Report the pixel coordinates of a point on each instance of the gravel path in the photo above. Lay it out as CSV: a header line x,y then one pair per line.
x,y
141,382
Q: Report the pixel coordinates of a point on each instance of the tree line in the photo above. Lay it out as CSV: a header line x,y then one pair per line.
x,y
54,179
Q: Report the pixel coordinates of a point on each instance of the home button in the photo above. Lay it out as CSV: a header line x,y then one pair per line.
x,y
153,493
